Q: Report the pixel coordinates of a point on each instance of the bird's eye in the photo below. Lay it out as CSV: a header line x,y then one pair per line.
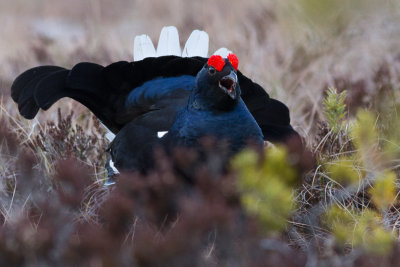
x,y
212,70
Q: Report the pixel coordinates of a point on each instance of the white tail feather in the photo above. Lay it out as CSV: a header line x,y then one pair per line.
x,y
168,44
143,47
109,135
196,45
223,52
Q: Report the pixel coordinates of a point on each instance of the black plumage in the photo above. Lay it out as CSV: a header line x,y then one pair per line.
x,y
136,100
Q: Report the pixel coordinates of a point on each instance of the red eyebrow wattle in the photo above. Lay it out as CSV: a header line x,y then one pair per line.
x,y
217,62
233,60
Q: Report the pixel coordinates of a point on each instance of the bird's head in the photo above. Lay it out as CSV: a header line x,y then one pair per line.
x,y
217,83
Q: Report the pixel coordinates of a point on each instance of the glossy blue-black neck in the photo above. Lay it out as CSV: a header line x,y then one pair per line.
x,y
209,94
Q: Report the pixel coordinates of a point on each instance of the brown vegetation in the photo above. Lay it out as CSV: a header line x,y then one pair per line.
x,y
55,211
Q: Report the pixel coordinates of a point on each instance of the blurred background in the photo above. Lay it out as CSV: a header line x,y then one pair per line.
x,y
295,49
341,211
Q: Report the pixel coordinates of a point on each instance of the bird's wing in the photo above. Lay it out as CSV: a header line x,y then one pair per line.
x,y
272,116
104,90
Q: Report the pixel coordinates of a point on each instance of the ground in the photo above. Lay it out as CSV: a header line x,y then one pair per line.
x,y
342,209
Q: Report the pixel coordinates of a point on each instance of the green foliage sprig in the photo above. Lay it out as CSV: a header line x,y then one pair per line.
x,y
335,109
360,170
359,229
266,187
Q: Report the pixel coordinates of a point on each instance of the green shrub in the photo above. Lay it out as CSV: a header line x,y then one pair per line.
x,y
266,186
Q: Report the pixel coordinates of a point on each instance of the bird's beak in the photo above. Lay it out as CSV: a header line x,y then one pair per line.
x,y
228,84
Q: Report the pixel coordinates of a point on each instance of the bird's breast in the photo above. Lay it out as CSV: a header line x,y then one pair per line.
x,y
236,126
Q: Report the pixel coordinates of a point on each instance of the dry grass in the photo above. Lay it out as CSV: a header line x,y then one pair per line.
x,y
295,49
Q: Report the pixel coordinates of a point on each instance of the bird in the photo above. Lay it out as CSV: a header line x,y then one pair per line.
x,y
164,97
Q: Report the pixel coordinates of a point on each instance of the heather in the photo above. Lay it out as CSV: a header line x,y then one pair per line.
x,y
334,203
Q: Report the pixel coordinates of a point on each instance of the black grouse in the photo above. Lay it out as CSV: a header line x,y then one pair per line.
x,y
186,97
